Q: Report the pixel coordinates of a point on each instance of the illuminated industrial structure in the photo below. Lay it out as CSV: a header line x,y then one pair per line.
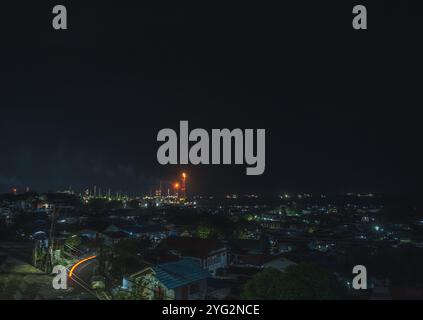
x,y
184,185
176,187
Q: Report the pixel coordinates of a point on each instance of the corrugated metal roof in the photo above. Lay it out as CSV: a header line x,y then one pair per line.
x,y
179,273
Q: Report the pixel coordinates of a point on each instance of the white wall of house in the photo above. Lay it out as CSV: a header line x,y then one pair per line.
x,y
216,260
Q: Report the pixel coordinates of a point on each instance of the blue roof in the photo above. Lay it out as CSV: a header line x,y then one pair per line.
x,y
180,273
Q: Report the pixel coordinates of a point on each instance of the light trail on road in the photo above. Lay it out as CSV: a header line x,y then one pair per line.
x,y
79,263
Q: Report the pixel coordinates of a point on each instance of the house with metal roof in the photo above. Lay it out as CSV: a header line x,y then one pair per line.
x,y
211,254
179,280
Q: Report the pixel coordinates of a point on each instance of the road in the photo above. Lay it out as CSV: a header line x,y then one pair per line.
x,y
82,274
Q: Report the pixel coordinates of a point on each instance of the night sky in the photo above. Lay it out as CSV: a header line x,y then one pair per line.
x,y
82,107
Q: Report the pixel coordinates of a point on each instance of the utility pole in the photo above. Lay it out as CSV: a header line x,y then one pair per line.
x,y
50,253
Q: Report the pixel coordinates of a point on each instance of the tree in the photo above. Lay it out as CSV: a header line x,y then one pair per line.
x,y
73,241
141,289
207,232
264,285
134,204
97,206
302,281
123,295
126,254
114,205
213,227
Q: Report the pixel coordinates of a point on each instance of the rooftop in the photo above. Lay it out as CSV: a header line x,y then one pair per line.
x,y
192,247
176,274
